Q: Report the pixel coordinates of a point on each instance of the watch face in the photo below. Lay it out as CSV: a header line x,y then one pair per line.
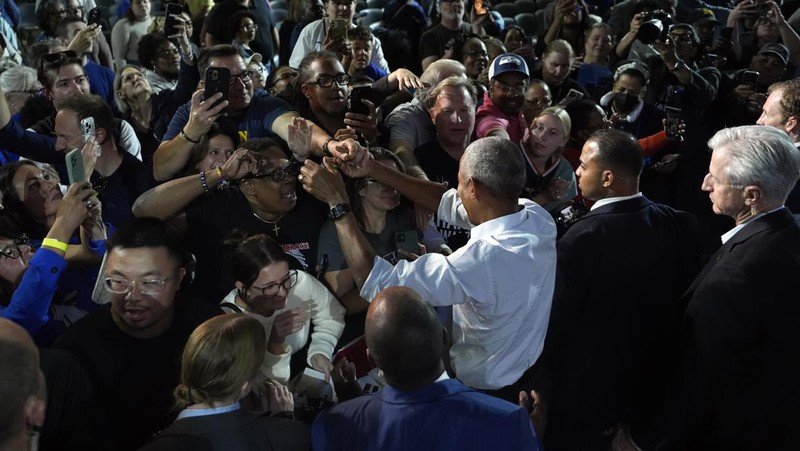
x,y
338,211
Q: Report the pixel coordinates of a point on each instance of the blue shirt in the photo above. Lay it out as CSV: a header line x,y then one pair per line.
x,y
101,82
256,122
441,415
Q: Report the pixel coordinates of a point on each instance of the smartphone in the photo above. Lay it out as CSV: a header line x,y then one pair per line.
x,y
217,80
173,9
75,169
480,8
750,78
356,94
407,241
87,128
673,122
572,96
338,29
95,16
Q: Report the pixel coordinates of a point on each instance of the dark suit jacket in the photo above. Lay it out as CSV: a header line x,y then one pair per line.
x,y
233,431
740,385
621,271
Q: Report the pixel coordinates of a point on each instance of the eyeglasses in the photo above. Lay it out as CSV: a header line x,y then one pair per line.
x,y
274,288
508,89
685,38
250,27
124,286
11,250
29,92
168,51
480,53
243,77
326,81
277,175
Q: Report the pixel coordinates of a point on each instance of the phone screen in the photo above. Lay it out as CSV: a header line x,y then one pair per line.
x,y
750,78
480,8
673,122
356,94
173,9
95,15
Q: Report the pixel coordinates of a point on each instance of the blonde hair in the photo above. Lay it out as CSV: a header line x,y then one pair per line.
x,y
222,355
559,46
562,115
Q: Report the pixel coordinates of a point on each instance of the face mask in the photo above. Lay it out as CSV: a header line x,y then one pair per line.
x,y
624,103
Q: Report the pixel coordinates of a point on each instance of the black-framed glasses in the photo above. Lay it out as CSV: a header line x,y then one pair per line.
x,y
244,77
118,285
326,81
277,175
11,250
168,51
272,289
250,27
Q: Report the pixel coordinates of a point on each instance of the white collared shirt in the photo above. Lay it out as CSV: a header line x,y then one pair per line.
x,y
611,200
730,233
500,284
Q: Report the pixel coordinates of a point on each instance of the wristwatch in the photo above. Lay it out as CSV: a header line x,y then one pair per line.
x,y
338,211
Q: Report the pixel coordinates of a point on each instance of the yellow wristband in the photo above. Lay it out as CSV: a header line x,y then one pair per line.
x,y
55,244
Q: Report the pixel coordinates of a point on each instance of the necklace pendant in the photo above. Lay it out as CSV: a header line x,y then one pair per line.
x,y
275,228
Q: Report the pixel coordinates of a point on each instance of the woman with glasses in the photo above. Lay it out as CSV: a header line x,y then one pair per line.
x,y
150,112
127,31
286,302
30,278
48,14
219,369
469,50
161,60
550,180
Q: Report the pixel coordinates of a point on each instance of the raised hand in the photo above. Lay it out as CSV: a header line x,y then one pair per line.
x,y
300,133
279,398
287,323
323,181
203,113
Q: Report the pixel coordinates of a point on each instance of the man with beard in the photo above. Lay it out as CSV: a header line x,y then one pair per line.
x,y
501,111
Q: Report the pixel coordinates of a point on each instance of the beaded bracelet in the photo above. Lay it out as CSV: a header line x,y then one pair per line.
x,y
222,182
204,182
55,244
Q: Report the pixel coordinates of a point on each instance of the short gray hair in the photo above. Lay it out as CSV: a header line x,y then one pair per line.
x,y
497,164
19,78
762,156
436,72
451,82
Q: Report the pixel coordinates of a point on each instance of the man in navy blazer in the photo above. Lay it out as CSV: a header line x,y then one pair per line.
x,y
621,270
420,408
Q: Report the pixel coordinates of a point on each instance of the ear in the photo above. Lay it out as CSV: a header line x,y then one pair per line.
x,y
792,125
472,188
181,274
100,135
247,188
272,92
607,178
751,195
36,405
239,286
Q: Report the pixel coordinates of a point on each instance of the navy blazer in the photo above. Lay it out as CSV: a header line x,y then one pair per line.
x,y
616,316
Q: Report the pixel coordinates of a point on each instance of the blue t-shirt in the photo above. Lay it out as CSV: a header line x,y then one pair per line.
x,y
101,82
255,123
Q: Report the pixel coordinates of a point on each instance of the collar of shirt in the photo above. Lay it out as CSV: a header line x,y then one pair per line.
x,y
189,413
730,233
611,200
501,224
443,377
426,394
489,107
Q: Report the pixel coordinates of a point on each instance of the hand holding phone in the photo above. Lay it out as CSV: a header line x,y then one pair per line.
x,y
217,81
572,96
75,169
338,29
173,9
406,241
95,16
480,8
673,123
750,79
356,105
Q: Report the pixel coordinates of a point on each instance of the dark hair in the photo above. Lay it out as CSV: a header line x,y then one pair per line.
x,y
304,74
147,233
15,218
200,150
261,145
65,22
215,51
399,49
273,75
508,29
19,380
147,50
34,110
89,105
42,13
236,19
249,255
356,185
360,33
458,44
56,61
618,151
690,29
579,112
645,5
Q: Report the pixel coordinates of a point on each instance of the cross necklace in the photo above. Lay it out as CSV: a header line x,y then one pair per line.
x,y
274,223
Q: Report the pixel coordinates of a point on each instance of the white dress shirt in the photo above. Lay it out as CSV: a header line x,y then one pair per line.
x,y
500,284
312,37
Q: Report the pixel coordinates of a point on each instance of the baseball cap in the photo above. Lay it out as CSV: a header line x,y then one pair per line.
x,y
702,15
635,66
508,62
254,58
776,49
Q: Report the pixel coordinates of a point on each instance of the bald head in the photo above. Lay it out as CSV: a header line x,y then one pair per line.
x,y
21,383
404,338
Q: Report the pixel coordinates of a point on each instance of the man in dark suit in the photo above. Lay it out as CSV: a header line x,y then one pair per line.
x,y
420,408
738,385
621,270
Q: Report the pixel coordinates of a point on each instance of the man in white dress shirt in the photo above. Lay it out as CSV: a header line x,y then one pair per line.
x,y
500,283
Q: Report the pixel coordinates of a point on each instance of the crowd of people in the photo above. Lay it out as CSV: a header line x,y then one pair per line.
x,y
466,233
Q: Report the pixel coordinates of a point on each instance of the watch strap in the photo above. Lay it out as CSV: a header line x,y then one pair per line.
x,y
338,211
